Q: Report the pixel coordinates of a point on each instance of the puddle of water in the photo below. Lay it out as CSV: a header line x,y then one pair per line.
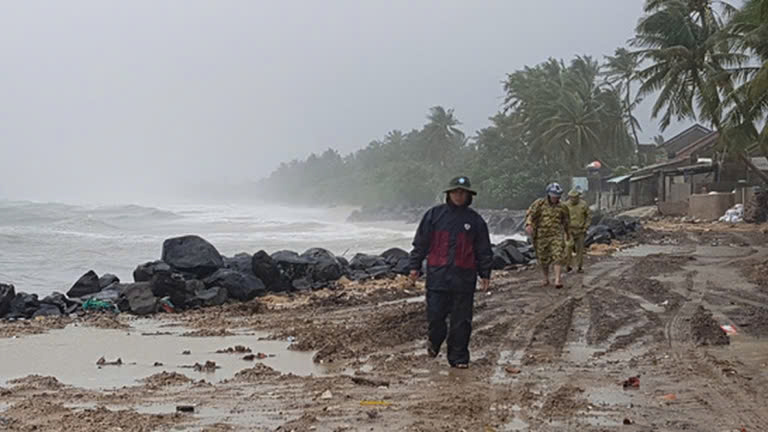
x,y
645,250
70,355
577,350
506,358
205,415
515,425
723,251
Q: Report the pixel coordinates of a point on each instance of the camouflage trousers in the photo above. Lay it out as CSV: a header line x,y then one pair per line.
x,y
576,250
550,249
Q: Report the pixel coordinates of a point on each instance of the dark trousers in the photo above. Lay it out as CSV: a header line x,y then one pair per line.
x,y
441,304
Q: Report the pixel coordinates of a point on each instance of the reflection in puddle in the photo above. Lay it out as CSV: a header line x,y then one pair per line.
x,y
646,250
70,355
515,425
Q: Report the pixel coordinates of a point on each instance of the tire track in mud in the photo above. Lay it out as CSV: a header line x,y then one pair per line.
x,y
554,311
734,409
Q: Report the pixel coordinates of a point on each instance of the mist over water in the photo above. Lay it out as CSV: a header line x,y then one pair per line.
x,y
46,247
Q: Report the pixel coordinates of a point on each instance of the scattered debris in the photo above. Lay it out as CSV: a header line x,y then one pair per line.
x,y
632,382
103,362
370,382
375,403
209,366
238,349
734,214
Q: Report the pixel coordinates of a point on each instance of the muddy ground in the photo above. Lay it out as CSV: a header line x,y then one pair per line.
x,y
634,344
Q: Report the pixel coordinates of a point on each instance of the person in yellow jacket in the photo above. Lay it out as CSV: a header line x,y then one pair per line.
x,y
579,215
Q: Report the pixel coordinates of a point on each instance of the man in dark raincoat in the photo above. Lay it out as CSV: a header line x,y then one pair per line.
x,y
454,239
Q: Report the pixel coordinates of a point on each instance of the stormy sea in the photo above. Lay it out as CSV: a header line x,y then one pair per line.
x,y
46,247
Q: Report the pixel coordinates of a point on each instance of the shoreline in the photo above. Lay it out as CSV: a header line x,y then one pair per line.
x,y
548,353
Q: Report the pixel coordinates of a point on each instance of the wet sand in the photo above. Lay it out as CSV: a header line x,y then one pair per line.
x,y
543,359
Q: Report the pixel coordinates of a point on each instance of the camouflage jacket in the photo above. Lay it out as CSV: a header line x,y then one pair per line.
x,y
579,215
547,219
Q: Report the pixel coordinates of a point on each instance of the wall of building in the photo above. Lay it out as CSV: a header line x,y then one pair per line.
x,y
710,206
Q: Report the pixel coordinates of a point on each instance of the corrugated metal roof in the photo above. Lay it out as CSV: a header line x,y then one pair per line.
x,y
619,179
647,176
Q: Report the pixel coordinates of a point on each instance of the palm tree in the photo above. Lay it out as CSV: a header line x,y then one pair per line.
x,y
587,120
748,31
621,72
687,63
442,137
566,114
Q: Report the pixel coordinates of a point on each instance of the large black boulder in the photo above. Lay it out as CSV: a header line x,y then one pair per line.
x,y
47,310
214,296
192,254
138,299
365,262
144,272
394,255
318,254
379,271
87,284
172,285
242,262
291,265
239,286
7,293
108,279
57,299
265,268
325,266
110,294
402,266
24,305
327,271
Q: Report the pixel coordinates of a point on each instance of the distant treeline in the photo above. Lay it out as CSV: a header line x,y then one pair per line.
x,y
702,60
556,119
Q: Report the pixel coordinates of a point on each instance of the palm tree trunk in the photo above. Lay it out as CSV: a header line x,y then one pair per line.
x,y
632,125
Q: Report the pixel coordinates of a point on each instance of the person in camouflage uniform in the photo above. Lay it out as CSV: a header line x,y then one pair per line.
x,y
579,215
547,222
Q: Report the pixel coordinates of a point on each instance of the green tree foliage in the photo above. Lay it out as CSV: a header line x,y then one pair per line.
x,y
556,119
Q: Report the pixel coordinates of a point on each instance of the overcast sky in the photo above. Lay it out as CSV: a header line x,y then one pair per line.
x,y
130,98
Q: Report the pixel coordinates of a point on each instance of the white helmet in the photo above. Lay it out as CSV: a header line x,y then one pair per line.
x,y
554,190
